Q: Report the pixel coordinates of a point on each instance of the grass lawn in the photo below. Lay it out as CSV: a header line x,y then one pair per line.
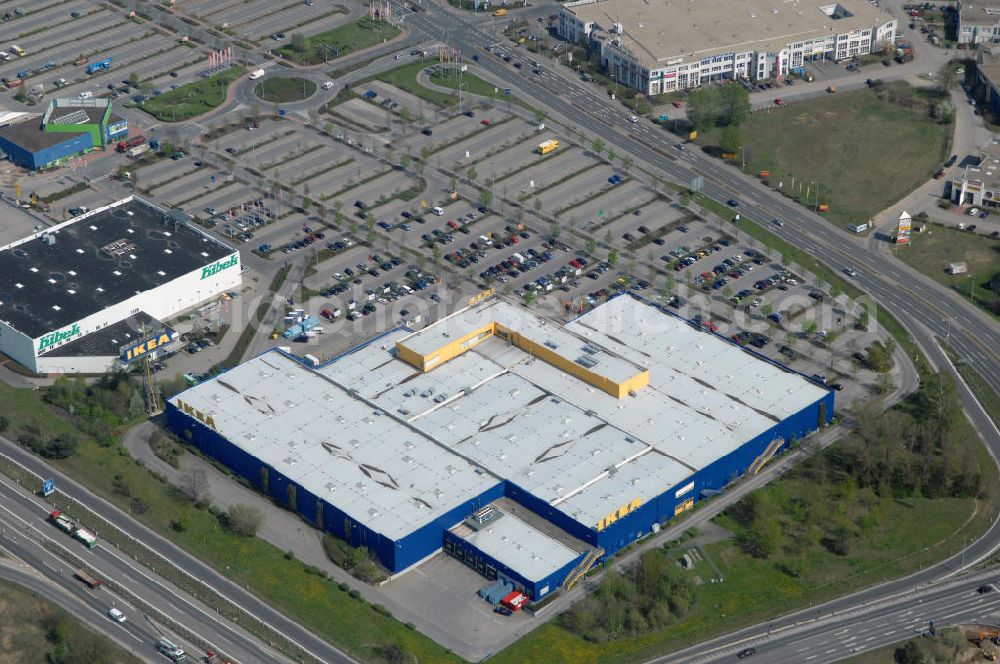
x,y
191,99
318,603
292,88
755,589
933,250
346,39
477,86
24,620
864,153
405,78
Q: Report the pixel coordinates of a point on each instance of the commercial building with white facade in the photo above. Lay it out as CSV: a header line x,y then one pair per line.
x,y
979,22
677,44
74,297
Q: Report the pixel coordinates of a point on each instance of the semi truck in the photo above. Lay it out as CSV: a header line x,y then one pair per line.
x,y
298,330
170,650
546,147
92,581
904,52
138,151
126,145
100,65
69,527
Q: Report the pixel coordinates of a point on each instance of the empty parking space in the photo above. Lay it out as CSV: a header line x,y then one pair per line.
x,y
547,171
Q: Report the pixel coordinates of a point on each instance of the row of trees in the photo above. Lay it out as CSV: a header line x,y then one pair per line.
x,y
650,595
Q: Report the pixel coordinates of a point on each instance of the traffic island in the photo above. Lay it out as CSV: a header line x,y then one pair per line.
x,y
279,90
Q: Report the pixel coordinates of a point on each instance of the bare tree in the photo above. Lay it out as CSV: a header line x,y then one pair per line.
x,y
194,484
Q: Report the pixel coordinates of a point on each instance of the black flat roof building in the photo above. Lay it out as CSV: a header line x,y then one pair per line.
x,y
71,271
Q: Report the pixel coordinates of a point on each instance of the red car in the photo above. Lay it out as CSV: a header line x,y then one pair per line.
x,y
779,102
677,104
485,122
710,325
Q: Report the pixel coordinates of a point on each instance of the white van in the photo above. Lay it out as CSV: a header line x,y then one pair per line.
x,y
438,211
86,94
328,85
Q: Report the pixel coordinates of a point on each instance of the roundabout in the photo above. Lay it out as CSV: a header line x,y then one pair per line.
x,y
284,89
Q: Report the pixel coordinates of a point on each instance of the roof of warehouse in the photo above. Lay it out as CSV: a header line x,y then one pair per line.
x,y
560,340
337,445
45,287
519,546
108,341
682,29
29,135
510,415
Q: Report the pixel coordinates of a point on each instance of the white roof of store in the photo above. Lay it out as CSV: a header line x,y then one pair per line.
x,y
519,546
658,33
395,447
337,446
544,332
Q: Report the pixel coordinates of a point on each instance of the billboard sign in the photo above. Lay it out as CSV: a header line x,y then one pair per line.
x,y
138,349
904,228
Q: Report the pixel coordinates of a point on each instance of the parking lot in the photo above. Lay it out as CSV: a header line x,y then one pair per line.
x,y
60,40
257,20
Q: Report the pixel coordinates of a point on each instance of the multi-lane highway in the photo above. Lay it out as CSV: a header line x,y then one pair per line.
x,y
26,535
135,635
24,516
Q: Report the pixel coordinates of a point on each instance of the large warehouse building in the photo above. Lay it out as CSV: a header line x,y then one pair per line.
x,y
78,297
678,44
527,449
68,129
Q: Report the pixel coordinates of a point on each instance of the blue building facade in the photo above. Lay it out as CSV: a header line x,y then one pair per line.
x,y
491,568
46,157
425,540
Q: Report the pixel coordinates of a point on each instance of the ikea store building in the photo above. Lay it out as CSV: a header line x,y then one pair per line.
x,y
527,449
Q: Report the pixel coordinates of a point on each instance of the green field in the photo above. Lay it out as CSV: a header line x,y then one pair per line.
x,y
346,39
291,88
191,99
472,84
862,153
933,250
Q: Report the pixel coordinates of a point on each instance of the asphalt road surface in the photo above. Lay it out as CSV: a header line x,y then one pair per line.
x,y
26,534
17,508
136,636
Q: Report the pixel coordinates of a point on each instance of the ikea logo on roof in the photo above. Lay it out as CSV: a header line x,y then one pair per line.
x,y
219,266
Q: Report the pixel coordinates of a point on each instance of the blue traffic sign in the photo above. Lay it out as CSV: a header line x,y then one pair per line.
x,y
48,487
